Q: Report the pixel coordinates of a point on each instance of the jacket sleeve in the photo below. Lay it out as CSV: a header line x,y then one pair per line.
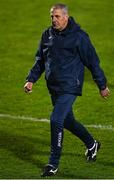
x,y
91,61
38,67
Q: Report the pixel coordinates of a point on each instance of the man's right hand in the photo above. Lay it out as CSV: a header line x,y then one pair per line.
x,y
28,87
105,93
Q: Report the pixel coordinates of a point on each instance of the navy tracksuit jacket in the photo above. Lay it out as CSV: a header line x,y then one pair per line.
x,y
63,55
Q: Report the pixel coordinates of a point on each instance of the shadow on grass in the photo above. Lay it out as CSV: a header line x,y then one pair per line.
x,y
30,149
70,176
24,147
73,155
107,164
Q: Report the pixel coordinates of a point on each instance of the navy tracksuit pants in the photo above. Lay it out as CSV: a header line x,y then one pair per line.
x,y
62,117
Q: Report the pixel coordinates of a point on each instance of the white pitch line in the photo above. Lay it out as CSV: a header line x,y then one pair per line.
x,y
99,126
23,118
96,126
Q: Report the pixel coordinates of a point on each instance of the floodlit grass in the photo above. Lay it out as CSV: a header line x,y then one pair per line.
x,y
25,149
24,145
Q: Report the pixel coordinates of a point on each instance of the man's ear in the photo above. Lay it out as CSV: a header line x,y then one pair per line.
x,y
66,17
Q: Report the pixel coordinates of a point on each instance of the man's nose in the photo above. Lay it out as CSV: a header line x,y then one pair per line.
x,y
54,19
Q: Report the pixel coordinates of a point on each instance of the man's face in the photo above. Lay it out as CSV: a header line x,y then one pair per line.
x,y
59,19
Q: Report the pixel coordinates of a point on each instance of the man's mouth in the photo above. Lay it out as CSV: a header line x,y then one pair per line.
x,y
55,24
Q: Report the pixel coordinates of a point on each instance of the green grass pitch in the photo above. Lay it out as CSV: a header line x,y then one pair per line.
x,y
25,144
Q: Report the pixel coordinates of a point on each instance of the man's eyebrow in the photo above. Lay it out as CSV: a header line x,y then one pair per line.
x,y
55,15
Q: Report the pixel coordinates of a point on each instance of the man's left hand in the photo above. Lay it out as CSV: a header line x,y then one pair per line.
x,y
105,93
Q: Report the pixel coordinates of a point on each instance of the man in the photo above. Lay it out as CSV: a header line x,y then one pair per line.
x,y
65,49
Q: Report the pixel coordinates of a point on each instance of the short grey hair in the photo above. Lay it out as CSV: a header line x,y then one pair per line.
x,y
60,6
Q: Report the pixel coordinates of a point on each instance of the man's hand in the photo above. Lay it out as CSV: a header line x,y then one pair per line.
x,y
28,87
105,93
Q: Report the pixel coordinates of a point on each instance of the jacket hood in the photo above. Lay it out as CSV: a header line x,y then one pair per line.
x,y
72,26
